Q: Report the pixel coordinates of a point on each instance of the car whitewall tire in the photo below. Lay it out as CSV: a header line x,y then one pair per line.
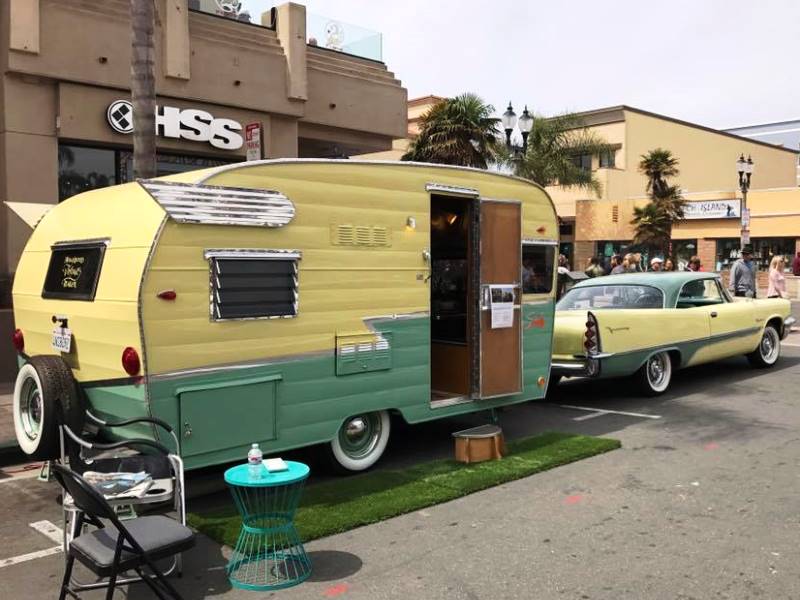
x,y
769,349
656,374
360,441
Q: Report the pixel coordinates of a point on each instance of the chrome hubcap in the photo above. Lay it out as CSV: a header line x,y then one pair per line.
x,y
770,345
31,410
657,370
360,435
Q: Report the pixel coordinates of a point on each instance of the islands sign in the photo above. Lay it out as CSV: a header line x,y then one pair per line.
x,y
713,209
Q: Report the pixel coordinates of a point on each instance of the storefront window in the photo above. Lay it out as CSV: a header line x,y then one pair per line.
x,y
81,169
763,251
682,251
167,164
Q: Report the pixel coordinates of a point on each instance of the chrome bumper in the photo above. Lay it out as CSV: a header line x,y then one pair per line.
x,y
787,326
582,366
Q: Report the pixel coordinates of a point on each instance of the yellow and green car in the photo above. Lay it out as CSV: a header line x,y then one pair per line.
x,y
651,324
288,302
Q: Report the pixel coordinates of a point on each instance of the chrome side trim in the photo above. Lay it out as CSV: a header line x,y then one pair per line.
x,y
252,253
87,242
453,190
568,366
539,242
594,356
220,205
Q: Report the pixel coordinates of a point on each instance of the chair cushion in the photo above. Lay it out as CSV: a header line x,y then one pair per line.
x,y
158,535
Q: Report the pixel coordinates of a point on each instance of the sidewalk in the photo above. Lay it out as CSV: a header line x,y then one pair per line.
x,y
7,438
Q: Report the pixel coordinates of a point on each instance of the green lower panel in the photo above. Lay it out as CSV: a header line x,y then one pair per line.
x,y
303,401
117,403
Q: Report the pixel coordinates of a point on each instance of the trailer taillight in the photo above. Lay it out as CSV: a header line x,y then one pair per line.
x,y
130,361
591,337
18,340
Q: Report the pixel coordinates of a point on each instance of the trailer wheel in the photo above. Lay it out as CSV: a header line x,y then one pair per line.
x,y
360,441
45,395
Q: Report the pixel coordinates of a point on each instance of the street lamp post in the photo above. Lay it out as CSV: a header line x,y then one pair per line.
x,y
745,170
525,124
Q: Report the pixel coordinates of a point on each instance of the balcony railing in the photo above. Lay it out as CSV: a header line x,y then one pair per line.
x,y
332,34
244,11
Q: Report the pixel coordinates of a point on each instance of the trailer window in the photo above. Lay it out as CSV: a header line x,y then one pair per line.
x,y
537,268
253,284
74,270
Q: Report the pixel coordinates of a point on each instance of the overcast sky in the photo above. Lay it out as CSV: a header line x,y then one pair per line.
x,y
721,63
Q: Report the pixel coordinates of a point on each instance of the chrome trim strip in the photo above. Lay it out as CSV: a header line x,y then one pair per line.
x,y
453,190
713,338
221,205
594,356
169,375
86,242
252,253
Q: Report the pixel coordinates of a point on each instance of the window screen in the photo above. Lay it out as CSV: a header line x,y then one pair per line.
x,y
537,268
253,286
73,271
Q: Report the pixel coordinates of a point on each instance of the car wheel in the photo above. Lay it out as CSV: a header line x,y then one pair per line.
x,y
768,351
45,395
360,441
655,374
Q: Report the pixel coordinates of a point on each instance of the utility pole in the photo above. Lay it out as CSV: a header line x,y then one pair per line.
x,y
143,88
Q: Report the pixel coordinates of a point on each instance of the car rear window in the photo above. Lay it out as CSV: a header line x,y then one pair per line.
x,y
611,296
74,271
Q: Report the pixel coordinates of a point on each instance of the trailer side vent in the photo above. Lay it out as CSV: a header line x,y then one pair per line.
x,y
252,284
365,236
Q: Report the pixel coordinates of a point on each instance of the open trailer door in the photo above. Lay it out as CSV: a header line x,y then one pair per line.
x,y
500,274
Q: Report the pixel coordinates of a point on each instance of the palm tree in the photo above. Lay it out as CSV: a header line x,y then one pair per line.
x,y
143,88
653,222
457,131
555,145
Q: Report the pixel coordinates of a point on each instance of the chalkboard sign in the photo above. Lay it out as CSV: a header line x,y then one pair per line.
x,y
74,271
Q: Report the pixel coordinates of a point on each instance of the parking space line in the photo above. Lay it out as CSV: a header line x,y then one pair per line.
x,y
49,530
591,415
603,411
15,560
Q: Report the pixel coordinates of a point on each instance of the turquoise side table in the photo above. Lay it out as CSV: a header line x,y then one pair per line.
x,y
268,554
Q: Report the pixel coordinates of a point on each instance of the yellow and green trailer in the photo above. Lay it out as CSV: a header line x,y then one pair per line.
x,y
286,302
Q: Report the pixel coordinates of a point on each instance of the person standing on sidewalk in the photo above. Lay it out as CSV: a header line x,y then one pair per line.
x,y
777,281
743,275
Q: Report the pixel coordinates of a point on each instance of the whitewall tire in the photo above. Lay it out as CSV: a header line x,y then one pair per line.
x,y
360,441
655,375
768,351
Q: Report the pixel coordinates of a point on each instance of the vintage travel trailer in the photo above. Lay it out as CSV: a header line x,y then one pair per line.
x,y
287,302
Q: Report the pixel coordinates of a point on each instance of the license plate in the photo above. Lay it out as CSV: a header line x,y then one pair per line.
x,y
62,340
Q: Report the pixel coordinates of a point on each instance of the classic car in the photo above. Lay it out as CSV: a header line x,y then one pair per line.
x,y
651,324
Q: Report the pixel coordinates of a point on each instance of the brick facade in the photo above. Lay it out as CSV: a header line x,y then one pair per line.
x,y
707,251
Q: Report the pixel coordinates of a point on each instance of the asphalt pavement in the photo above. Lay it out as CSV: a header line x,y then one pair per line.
x,y
701,502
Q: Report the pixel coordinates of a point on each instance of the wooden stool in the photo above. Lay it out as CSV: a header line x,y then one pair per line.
x,y
481,443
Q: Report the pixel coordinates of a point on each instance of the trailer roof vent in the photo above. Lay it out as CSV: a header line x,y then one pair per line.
x,y
220,205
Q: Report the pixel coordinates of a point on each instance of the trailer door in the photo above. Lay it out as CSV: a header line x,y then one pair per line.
x,y
501,294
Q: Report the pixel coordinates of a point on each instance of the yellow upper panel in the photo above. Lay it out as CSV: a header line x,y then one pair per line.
x,y
339,285
129,219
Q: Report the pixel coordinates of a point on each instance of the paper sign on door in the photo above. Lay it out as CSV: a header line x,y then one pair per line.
x,y
502,305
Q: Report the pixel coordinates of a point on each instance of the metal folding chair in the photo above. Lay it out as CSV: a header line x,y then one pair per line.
x,y
120,547
165,468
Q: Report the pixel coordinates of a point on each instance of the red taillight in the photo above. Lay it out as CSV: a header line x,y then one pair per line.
x,y
167,295
130,361
591,338
18,340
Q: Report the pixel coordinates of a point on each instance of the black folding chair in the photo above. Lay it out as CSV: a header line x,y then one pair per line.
x,y
164,466
116,549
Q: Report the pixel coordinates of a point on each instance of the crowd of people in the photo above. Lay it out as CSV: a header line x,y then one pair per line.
x,y
742,280
632,263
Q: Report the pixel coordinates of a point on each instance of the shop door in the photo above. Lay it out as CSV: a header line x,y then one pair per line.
x,y
500,275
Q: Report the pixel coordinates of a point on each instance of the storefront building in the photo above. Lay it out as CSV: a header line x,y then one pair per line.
x,y
601,225
295,84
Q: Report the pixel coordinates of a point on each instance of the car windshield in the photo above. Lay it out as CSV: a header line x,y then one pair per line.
x,y
611,296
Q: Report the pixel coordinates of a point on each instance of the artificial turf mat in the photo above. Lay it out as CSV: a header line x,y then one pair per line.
x,y
342,504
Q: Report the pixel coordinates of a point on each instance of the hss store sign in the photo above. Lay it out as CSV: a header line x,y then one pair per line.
x,y
180,123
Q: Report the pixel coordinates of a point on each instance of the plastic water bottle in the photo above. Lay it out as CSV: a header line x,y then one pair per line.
x,y
254,457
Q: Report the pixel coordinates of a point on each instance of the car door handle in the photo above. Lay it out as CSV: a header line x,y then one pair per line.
x,y
713,313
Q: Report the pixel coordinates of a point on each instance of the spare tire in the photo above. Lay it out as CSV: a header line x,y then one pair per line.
x,y
45,395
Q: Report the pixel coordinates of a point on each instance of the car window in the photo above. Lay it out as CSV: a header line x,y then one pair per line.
x,y
700,292
611,296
